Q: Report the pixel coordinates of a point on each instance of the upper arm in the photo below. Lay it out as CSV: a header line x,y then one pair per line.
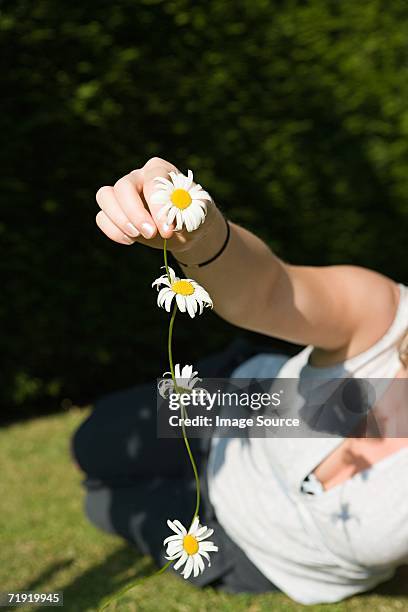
x,y
341,310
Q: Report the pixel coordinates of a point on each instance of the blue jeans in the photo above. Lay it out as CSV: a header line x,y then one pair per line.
x,y
135,482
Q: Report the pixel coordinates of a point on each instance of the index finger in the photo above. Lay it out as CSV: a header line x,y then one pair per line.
x,y
157,167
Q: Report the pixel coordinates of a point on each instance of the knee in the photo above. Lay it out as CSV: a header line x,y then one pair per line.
x,y
102,444
109,440
84,445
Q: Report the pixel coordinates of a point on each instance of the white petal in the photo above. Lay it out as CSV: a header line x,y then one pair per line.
x,y
200,563
184,183
172,214
200,306
196,216
173,538
202,296
191,307
198,193
189,179
168,300
163,292
177,527
176,542
181,561
163,387
164,210
199,211
163,181
162,297
181,302
194,526
179,218
200,291
175,556
187,371
196,565
178,180
201,205
194,381
208,546
206,556
173,276
188,222
159,197
189,568
162,280
174,547
204,533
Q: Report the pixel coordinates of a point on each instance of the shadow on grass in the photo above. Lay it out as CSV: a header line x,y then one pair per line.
x,y
101,580
47,575
89,589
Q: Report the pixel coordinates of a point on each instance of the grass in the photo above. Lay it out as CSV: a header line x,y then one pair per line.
x,y
48,545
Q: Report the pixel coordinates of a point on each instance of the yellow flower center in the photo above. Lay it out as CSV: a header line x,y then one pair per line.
x,y
183,287
181,198
190,545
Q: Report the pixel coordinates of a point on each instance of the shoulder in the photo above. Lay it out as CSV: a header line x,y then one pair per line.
x,y
374,301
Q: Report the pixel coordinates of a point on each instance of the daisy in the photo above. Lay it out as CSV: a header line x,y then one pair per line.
x,y
181,201
186,380
189,295
189,547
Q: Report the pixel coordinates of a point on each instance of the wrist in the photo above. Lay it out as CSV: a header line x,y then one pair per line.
x,y
205,243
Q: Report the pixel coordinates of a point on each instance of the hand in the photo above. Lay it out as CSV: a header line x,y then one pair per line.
x,y
127,214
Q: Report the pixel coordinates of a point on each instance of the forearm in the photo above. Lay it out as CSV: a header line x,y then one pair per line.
x,y
328,307
240,280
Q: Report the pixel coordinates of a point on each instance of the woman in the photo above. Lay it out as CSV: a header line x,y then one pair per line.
x,y
320,519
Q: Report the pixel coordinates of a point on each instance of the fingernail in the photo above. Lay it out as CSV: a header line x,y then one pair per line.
x,y
166,227
127,239
132,230
147,230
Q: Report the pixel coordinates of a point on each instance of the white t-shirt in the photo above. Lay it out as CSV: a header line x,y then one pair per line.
x,y
315,548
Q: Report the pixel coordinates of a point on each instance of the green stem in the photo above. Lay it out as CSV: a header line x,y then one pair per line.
x,y
186,442
169,349
194,466
177,390
166,265
133,584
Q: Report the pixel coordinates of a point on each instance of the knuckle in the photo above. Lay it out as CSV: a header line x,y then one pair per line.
x,y
154,161
102,191
121,183
158,162
99,218
136,175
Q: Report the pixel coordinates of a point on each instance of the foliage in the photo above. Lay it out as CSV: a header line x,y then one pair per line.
x,y
293,115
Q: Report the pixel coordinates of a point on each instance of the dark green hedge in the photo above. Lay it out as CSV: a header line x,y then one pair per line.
x,y
293,114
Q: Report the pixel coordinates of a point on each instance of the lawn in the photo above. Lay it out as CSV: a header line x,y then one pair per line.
x,y
48,545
